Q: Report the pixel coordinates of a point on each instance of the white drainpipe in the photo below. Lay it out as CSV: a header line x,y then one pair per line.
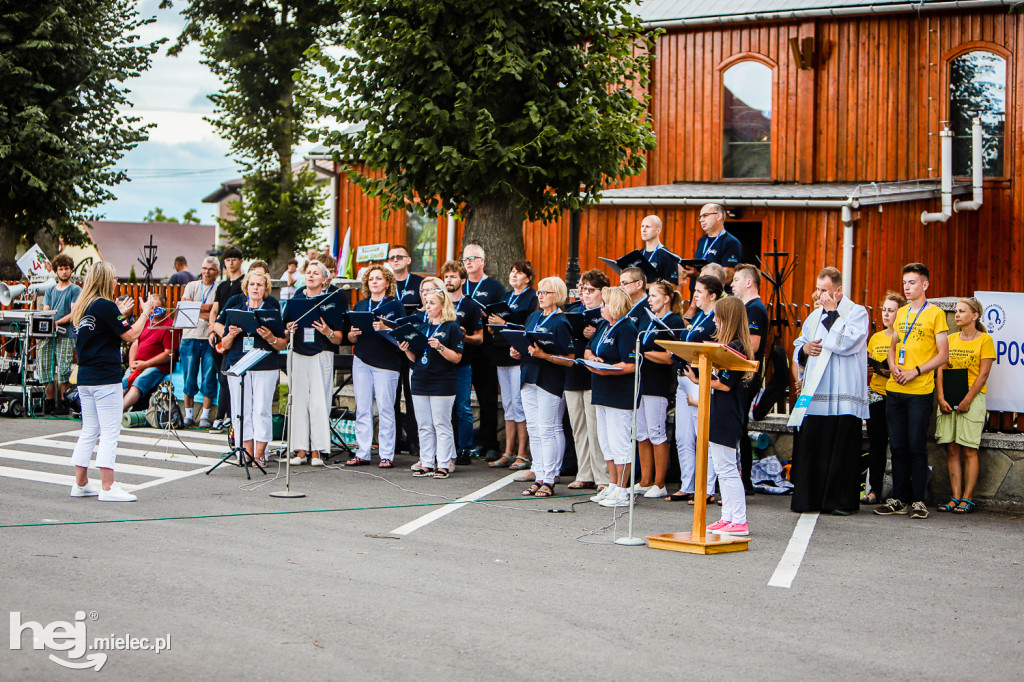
x,y
977,170
846,214
947,180
450,238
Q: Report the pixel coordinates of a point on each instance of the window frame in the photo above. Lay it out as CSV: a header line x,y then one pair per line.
x,y
724,66
947,113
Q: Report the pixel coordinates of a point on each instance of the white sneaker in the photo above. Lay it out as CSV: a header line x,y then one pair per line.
x,y
601,494
620,498
116,494
296,461
655,491
316,462
641,489
87,490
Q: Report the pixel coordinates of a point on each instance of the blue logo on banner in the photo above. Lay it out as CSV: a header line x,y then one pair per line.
x,y
995,317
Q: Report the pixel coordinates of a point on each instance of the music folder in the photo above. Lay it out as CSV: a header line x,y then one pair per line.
x,y
519,340
271,319
954,386
407,332
244,319
362,320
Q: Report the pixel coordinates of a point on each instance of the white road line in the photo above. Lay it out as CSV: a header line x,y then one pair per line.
x,y
60,460
785,572
155,455
47,477
142,440
449,508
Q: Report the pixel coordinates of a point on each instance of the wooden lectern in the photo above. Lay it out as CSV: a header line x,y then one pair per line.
x,y
706,356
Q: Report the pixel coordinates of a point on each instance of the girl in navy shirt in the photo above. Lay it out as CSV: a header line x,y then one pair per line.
x,y
256,427
522,301
543,385
434,384
702,328
375,368
100,328
726,426
657,384
614,343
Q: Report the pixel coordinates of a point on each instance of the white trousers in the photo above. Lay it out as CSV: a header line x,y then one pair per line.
x,y
434,425
511,400
734,500
369,384
310,387
101,421
650,419
257,419
686,437
614,433
544,413
583,420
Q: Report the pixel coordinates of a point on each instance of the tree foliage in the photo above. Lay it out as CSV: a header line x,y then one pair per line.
x,y
157,215
258,48
63,126
498,110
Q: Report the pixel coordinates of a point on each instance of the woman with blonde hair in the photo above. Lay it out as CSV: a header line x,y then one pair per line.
x,y
375,368
252,413
434,384
101,327
959,424
543,385
614,343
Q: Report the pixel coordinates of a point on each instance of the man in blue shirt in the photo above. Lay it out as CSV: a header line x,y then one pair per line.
x,y
716,246
665,263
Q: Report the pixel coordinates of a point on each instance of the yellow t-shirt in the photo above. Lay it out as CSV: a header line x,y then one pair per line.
x,y
924,326
878,350
969,354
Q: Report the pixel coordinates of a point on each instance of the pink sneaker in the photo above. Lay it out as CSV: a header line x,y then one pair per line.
x,y
734,529
717,526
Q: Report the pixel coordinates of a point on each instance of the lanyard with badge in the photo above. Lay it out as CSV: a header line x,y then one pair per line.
x,y
654,253
652,327
708,247
309,333
430,335
696,326
604,337
476,288
248,342
903,346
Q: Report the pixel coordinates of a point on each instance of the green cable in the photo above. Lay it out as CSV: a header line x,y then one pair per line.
x,y
275,513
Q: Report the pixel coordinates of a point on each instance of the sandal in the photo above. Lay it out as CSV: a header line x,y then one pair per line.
x,y
711,499
869,498
441,473
501,462
546,490
952,505
532,490
680,497
356,462
581,485
260,462
964,510
422,472
385,464
516,466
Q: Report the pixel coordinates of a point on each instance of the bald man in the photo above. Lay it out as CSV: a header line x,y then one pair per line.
x,y
664,261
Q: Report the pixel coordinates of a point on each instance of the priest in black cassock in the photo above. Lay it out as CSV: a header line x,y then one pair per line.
x,y
832,350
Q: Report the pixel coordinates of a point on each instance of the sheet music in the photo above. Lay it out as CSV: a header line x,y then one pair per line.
x,y
187,316
247,361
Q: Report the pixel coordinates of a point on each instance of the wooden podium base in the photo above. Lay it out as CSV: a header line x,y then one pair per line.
x,y
712,543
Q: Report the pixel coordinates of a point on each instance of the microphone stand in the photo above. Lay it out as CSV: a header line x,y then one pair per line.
x,y
288,492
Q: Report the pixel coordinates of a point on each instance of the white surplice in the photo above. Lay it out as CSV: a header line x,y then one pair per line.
x,y
843,388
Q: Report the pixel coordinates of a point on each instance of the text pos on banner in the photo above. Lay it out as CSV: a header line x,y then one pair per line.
x,y
1003,318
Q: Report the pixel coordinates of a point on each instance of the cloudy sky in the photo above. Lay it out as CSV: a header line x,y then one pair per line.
x,y
183,160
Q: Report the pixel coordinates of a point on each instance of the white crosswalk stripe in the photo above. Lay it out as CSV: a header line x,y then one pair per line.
x,y
145,457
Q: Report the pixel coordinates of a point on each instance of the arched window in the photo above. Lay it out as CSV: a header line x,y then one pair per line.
x,y
977,87
747,121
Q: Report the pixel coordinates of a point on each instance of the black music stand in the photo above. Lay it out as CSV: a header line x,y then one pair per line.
x,y
243,455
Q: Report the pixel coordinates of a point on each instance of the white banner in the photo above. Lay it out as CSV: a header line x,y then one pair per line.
x,y
1004,320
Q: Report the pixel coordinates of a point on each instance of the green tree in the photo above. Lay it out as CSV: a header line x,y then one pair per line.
x,y
157,215
63,65
259,49
497,110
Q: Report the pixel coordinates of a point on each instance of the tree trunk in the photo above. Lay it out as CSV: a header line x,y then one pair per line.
x,y
47,242
497,226
279,263
8,251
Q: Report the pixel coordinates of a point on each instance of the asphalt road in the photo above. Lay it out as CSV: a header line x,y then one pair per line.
x,y
504,590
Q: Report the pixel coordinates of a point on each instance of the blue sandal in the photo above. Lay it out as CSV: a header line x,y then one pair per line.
x,y
964,510
949,506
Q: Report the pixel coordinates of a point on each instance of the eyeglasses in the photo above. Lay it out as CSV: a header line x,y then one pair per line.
x,y
399,256
626,284
470,259
705,215
588,290
545,293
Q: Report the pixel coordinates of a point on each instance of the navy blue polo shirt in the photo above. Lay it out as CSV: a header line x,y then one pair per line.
x,y
548,375
637,315
724,249
485,292
408,291
98,343
726,426
320,342
577,377
237,350
757,323
374,349
521,305
432,374
468,314
655,379
702,329
665,263
613,344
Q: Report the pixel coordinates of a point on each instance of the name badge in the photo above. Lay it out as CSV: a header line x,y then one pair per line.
x,y
248,343
423,360
903,355
307,335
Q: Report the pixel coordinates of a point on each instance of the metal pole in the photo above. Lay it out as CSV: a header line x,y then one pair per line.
x,y
572,270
